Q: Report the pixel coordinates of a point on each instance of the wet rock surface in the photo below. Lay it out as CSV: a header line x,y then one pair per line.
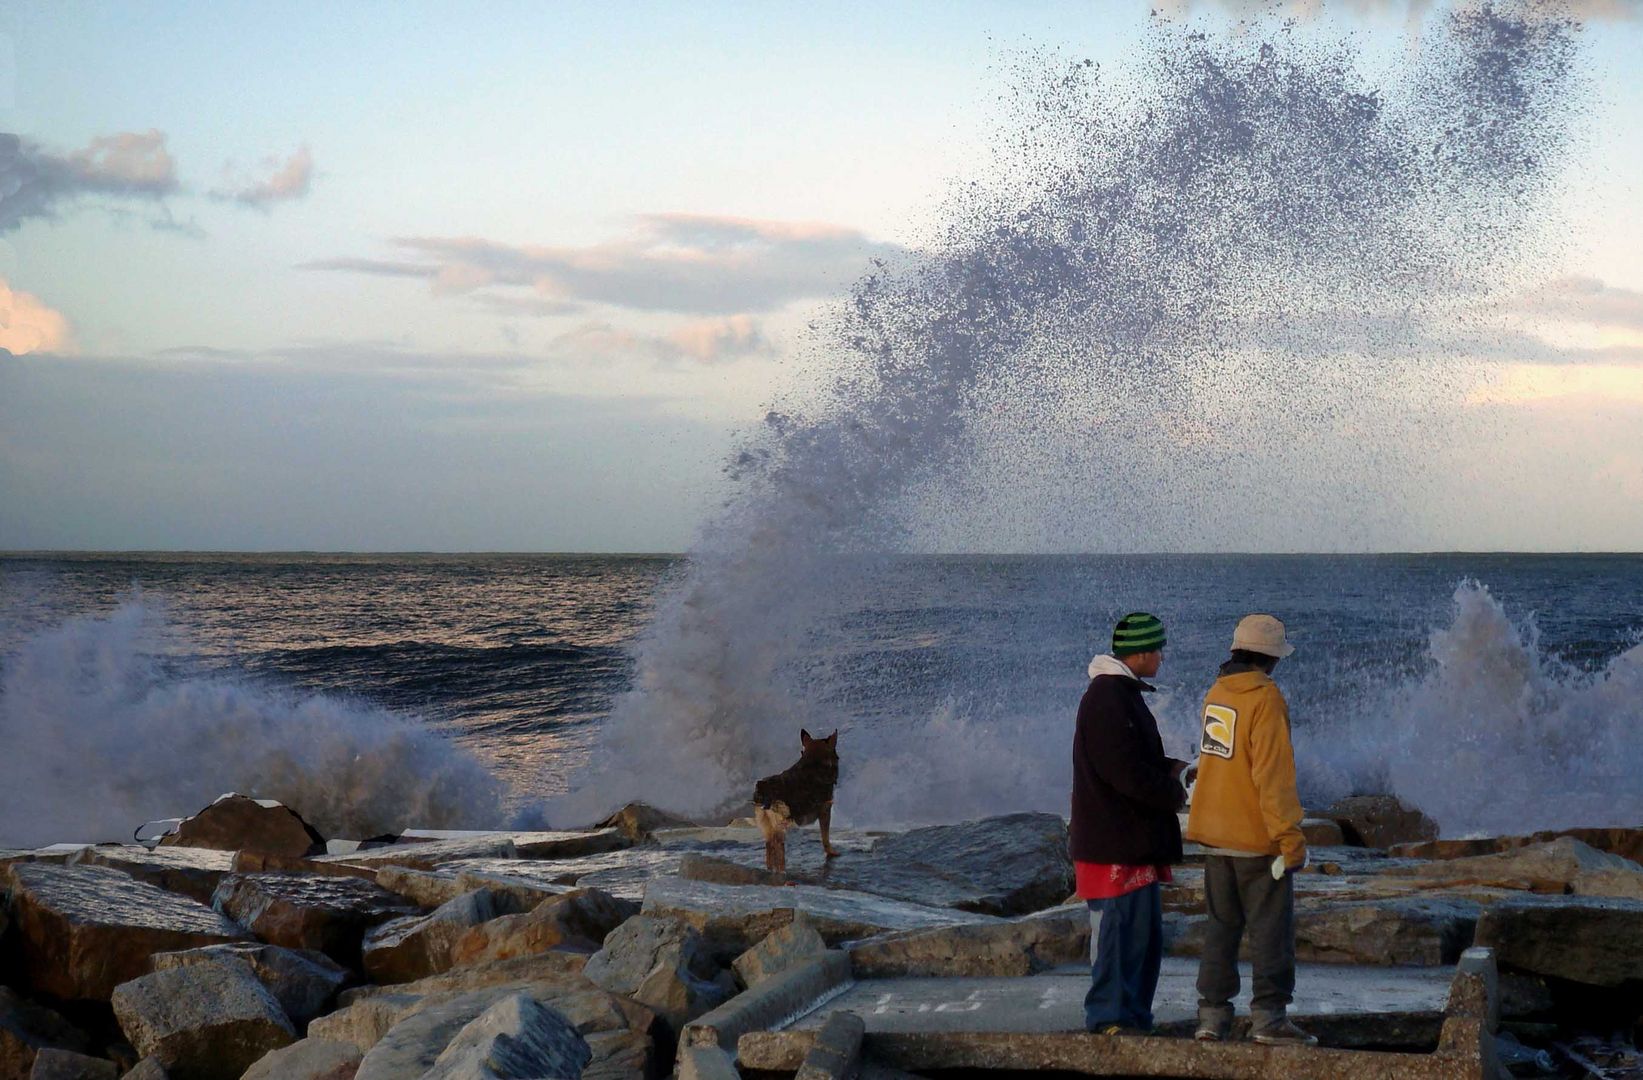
x,y
83,930
1379,821
235,823
1016,864
327,914
1562,865
733,918
191,872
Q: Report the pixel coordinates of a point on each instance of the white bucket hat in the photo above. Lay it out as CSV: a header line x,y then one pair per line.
x,y
1261,634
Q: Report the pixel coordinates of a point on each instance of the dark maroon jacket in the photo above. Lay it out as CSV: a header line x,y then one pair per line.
x,y
1124,799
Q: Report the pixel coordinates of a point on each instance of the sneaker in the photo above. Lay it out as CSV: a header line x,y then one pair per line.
x,y
1284,1033
1212,1032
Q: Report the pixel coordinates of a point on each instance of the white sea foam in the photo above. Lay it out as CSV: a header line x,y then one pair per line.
x,y
1496,736
102,734
1227,265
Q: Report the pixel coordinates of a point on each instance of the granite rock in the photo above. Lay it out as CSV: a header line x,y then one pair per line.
x,y
83,930
308,1059
1380,821
515,1037
327,914
577,920
409,948
235,822
303,981
208,1021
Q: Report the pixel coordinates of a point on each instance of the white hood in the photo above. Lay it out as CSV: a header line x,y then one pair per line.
x,y
1109,665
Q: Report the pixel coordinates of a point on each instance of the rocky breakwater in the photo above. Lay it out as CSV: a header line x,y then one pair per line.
x,y
594,952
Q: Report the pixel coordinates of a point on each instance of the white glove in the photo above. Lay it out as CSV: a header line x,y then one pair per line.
x,y
1279,868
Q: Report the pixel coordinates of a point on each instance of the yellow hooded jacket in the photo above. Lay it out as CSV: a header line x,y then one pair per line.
x,y
1245,799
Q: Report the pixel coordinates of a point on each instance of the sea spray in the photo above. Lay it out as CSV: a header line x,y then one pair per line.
x,y
1496,736
1173,288
102,732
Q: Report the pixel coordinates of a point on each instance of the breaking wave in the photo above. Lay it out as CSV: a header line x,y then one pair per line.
x,y
102,733
1496,736
1189,306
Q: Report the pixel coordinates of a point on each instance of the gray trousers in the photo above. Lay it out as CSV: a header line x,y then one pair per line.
x,y
1240,894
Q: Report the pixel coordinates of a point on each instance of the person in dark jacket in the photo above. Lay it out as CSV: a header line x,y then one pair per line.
x,y
1125,834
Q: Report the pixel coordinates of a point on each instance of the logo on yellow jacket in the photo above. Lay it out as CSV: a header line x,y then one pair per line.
x,y
1220,730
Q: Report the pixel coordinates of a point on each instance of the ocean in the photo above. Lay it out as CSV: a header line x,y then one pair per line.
x,y
1499,692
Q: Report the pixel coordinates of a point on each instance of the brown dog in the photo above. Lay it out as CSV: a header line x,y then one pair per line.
x,y
797,796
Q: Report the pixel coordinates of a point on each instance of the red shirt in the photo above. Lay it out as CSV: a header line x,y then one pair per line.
x,y
1103,881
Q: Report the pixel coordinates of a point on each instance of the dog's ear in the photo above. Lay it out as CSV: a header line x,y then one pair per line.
x,y
833,739
804,738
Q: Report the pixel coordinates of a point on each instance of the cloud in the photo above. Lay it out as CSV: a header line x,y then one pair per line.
x,y
278,181
709,340
686,263
35,182
27,325
1585,300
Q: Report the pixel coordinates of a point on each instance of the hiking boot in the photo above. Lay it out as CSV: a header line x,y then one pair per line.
x,y
1283,1032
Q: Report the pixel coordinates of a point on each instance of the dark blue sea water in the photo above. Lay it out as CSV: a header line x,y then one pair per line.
x,y
132,685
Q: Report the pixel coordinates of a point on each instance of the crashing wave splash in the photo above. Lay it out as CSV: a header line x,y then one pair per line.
x,y
100,737
1247,227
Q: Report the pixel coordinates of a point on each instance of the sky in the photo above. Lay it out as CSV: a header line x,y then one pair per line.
x,y
520,277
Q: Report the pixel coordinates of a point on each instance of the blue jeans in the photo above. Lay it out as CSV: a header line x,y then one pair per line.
x,y
1126,951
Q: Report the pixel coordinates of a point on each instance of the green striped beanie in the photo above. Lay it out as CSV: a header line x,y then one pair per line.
x,y
1137,632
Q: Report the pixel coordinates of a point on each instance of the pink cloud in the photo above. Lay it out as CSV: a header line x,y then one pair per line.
x,y
27,325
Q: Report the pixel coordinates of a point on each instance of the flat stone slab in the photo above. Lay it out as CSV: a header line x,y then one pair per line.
x,y
86,929
1054,1001
193,872
328,914
735,917
561,844
428,854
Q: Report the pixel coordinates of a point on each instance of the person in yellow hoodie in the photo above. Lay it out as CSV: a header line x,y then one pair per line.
x,y
1247,816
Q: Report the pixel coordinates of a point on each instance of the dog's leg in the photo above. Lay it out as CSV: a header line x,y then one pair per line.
x,y
766,824
827,823
780,841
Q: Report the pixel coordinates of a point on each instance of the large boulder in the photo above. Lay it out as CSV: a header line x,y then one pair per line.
x,y
146,1069
193,872
303,981
782,948
26,1029
327,914
1380,821
235,823
53,1064
414,1045
202,1022
1014,864
733,918
515,1037
664,964
1018,947
409,948
308,1059
637,821
1598,942
83,930
577,920
1553,866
